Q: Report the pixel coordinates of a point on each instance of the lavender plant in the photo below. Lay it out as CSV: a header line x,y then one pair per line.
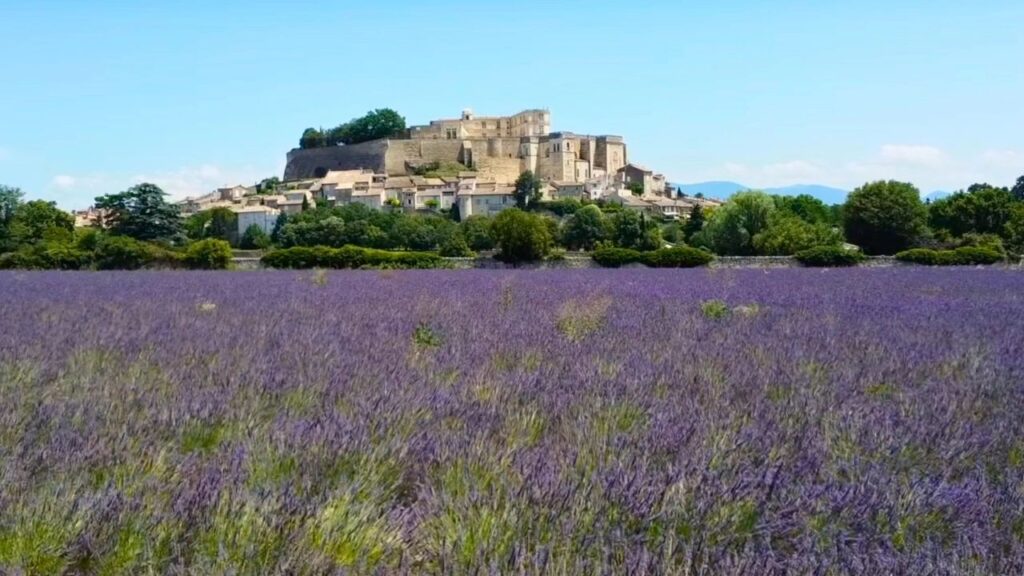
x,y
861,421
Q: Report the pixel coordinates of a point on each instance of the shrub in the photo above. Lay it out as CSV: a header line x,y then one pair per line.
x,y
521,236
255,238
210,254
829,257
455,247
715,309
616,257
678,257
348,257
963,256
967,255
122,253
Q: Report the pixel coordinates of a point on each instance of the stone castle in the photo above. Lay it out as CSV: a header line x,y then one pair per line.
x,y
497,148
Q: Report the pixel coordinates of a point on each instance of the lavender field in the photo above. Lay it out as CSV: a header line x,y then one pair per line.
x,y
863,421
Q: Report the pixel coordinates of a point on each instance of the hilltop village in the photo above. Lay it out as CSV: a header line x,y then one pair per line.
x,y
469,164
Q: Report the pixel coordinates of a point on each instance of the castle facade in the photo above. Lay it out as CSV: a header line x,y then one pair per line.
x,y
498,148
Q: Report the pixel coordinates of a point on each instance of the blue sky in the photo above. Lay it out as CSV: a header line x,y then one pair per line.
x,y
194,95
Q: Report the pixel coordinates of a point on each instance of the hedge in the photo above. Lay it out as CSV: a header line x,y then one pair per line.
x,y
615,257
829,257
348,257
209,254
678,257
963,256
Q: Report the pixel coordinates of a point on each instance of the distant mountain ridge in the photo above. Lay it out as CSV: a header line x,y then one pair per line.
x,y
723,189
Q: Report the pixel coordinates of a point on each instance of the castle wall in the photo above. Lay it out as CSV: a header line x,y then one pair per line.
x,y
315,162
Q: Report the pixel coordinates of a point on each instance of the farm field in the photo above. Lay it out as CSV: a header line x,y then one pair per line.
x,y
860,421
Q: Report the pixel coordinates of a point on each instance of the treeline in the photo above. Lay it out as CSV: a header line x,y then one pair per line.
x,y
138,229
382,123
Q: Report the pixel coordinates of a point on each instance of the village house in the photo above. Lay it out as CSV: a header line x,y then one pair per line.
x,y
264,217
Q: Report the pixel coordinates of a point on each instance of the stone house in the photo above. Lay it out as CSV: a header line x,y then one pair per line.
x,y
263,216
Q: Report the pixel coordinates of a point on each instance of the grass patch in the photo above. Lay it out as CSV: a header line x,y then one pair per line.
x,y
578,319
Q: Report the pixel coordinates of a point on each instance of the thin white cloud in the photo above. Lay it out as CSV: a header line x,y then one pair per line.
x,y
912,154
80,190
1004,159
794,170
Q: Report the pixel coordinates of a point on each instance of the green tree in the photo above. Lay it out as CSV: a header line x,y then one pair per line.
x,y
585,228
331,231
1018,190
381,123
632,229
312,138
521,236
695,223
455,246
477,232
39,220
983,209
884,217
141,212
528,190
268,185
731,228
1014,231
255,238
223,225
209,254
363,233
10,199
805,207
787,234
636,188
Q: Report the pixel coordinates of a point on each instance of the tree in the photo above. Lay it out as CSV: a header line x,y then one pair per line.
x,y
381,123
141,212
636,188
521,236
983,209
255,238
632,229
10,199
1014,231
805,207
528,190
1018,189
695,223
731,228
223,225
34,221
455,247
209,254
414,233
268,185
788,234
377,124
884,217
584,229
477,232
312,138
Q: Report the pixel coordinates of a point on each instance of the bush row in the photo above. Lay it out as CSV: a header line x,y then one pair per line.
x,y
678,257
118,253
963,256
829,257
349,257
